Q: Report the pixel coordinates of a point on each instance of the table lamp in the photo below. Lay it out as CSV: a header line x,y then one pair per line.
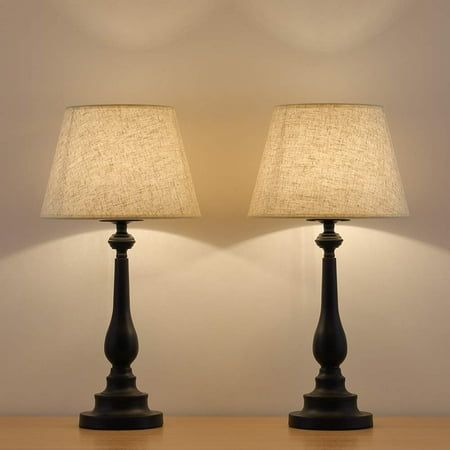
x,y
120,163
329,163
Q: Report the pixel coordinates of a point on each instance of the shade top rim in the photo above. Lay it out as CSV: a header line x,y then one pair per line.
x,y
341,217
131,218
308,105
119,105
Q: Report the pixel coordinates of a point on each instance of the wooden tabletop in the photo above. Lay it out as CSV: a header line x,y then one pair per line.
x,y
236,433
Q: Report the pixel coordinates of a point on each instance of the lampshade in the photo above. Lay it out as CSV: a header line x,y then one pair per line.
x,y
328,161
120,162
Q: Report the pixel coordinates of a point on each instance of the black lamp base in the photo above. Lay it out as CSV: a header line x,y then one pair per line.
x,y
133,421
311,420
121,406
323,412
330,406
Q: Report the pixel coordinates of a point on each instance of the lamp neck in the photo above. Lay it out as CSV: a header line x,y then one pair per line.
x,y
330,345
329,240
121,345
121,240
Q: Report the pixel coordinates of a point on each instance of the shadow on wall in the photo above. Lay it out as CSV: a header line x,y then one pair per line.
x,y
325,26
227,232
138,25
218,232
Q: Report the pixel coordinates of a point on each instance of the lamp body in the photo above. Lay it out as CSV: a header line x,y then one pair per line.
x,y
120,163
329,161
330,406
121,406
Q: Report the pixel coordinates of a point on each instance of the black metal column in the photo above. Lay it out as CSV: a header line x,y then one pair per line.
x,y
121,406
330,406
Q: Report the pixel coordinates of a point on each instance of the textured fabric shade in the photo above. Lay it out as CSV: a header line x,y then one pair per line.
x,y
120,162
328,161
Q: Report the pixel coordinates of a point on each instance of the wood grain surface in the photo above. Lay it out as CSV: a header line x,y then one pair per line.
x,y
237,433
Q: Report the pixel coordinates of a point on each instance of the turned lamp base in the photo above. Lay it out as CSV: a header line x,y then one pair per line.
x,y
135,421
121,406
313,420
330,406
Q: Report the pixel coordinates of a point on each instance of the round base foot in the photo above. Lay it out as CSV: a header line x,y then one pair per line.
x,y
138,421
309,420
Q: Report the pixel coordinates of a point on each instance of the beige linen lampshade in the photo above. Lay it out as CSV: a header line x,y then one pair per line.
x,y
328,161
120,162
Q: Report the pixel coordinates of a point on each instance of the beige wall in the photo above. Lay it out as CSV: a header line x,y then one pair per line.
x,y
225,306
